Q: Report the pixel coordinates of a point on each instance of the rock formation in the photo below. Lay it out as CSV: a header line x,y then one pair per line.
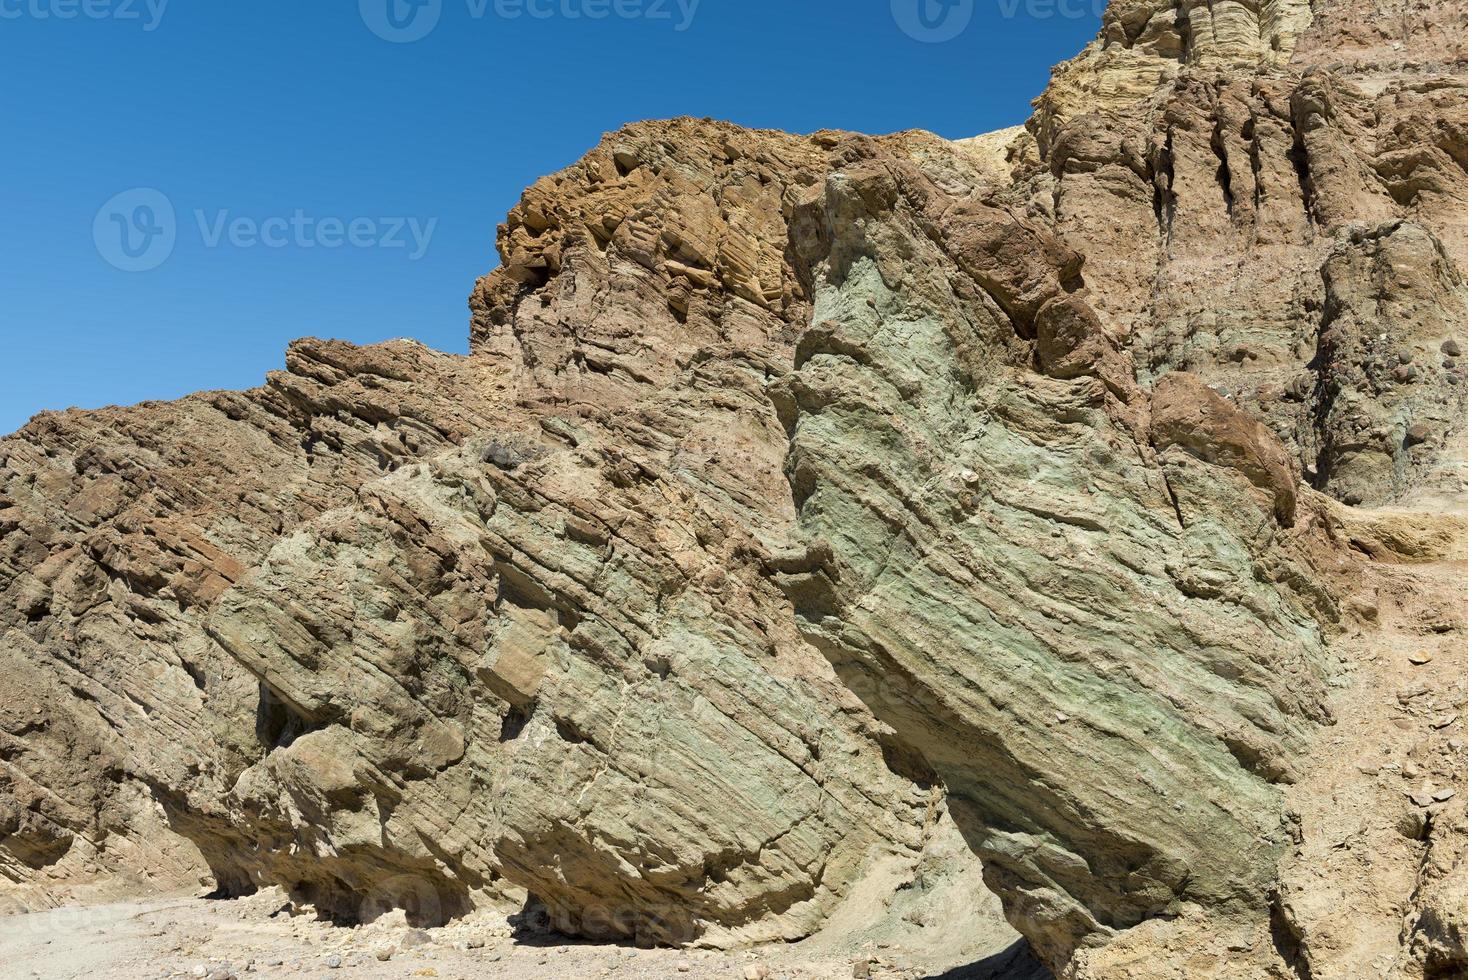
x,y
807,504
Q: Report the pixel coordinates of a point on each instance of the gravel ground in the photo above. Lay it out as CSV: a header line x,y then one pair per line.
x,y
219,940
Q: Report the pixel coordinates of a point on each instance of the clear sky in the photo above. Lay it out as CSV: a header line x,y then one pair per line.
x,y
337,167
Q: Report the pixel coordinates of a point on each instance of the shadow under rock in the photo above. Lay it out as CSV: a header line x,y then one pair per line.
x,y
1015,963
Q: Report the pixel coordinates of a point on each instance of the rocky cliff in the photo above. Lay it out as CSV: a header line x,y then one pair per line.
x,y
814,512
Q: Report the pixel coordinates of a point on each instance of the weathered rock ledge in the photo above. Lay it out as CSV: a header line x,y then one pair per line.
x,y
816,524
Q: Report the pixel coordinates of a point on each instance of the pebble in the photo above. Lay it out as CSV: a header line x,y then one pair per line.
x,y
756,971
333,962
1452,348
415,937
1443,795
1408,694
861,969
1421,659
684,966
501,457
384,953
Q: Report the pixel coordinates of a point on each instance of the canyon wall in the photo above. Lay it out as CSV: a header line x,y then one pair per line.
x,y
807,506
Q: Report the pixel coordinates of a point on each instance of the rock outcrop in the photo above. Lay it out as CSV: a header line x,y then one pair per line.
x,y
805,506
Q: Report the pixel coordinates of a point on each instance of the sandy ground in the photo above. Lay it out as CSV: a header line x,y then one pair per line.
x,y
1396,762
190,937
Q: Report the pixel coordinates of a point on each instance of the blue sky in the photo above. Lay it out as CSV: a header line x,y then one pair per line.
x,y
331,173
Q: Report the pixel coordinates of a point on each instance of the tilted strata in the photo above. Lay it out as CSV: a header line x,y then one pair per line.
x,y
799,492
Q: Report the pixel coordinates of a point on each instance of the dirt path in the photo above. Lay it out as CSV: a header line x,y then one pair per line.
x,y
188,937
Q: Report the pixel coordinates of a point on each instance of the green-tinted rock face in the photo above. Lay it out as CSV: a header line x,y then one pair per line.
x,y
1092,643
523,676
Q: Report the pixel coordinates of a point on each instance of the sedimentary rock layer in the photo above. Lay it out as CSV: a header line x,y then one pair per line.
x,y
796,493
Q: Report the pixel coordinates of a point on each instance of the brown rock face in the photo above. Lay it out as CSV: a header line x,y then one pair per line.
x,y
812,512
121,528
1188,415
410,630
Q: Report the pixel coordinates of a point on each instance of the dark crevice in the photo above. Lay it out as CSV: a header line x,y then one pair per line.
x,y
195,672
1256,163
515,721
567,731
1287,941
277,725
1327,387
1164,200
1300,160
1177,505
907,762
1184,26
1224,175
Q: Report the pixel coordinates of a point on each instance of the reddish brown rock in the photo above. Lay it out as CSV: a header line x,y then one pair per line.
x,y
1187,414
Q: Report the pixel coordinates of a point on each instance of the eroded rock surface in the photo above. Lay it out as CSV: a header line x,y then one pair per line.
x,y
812,512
